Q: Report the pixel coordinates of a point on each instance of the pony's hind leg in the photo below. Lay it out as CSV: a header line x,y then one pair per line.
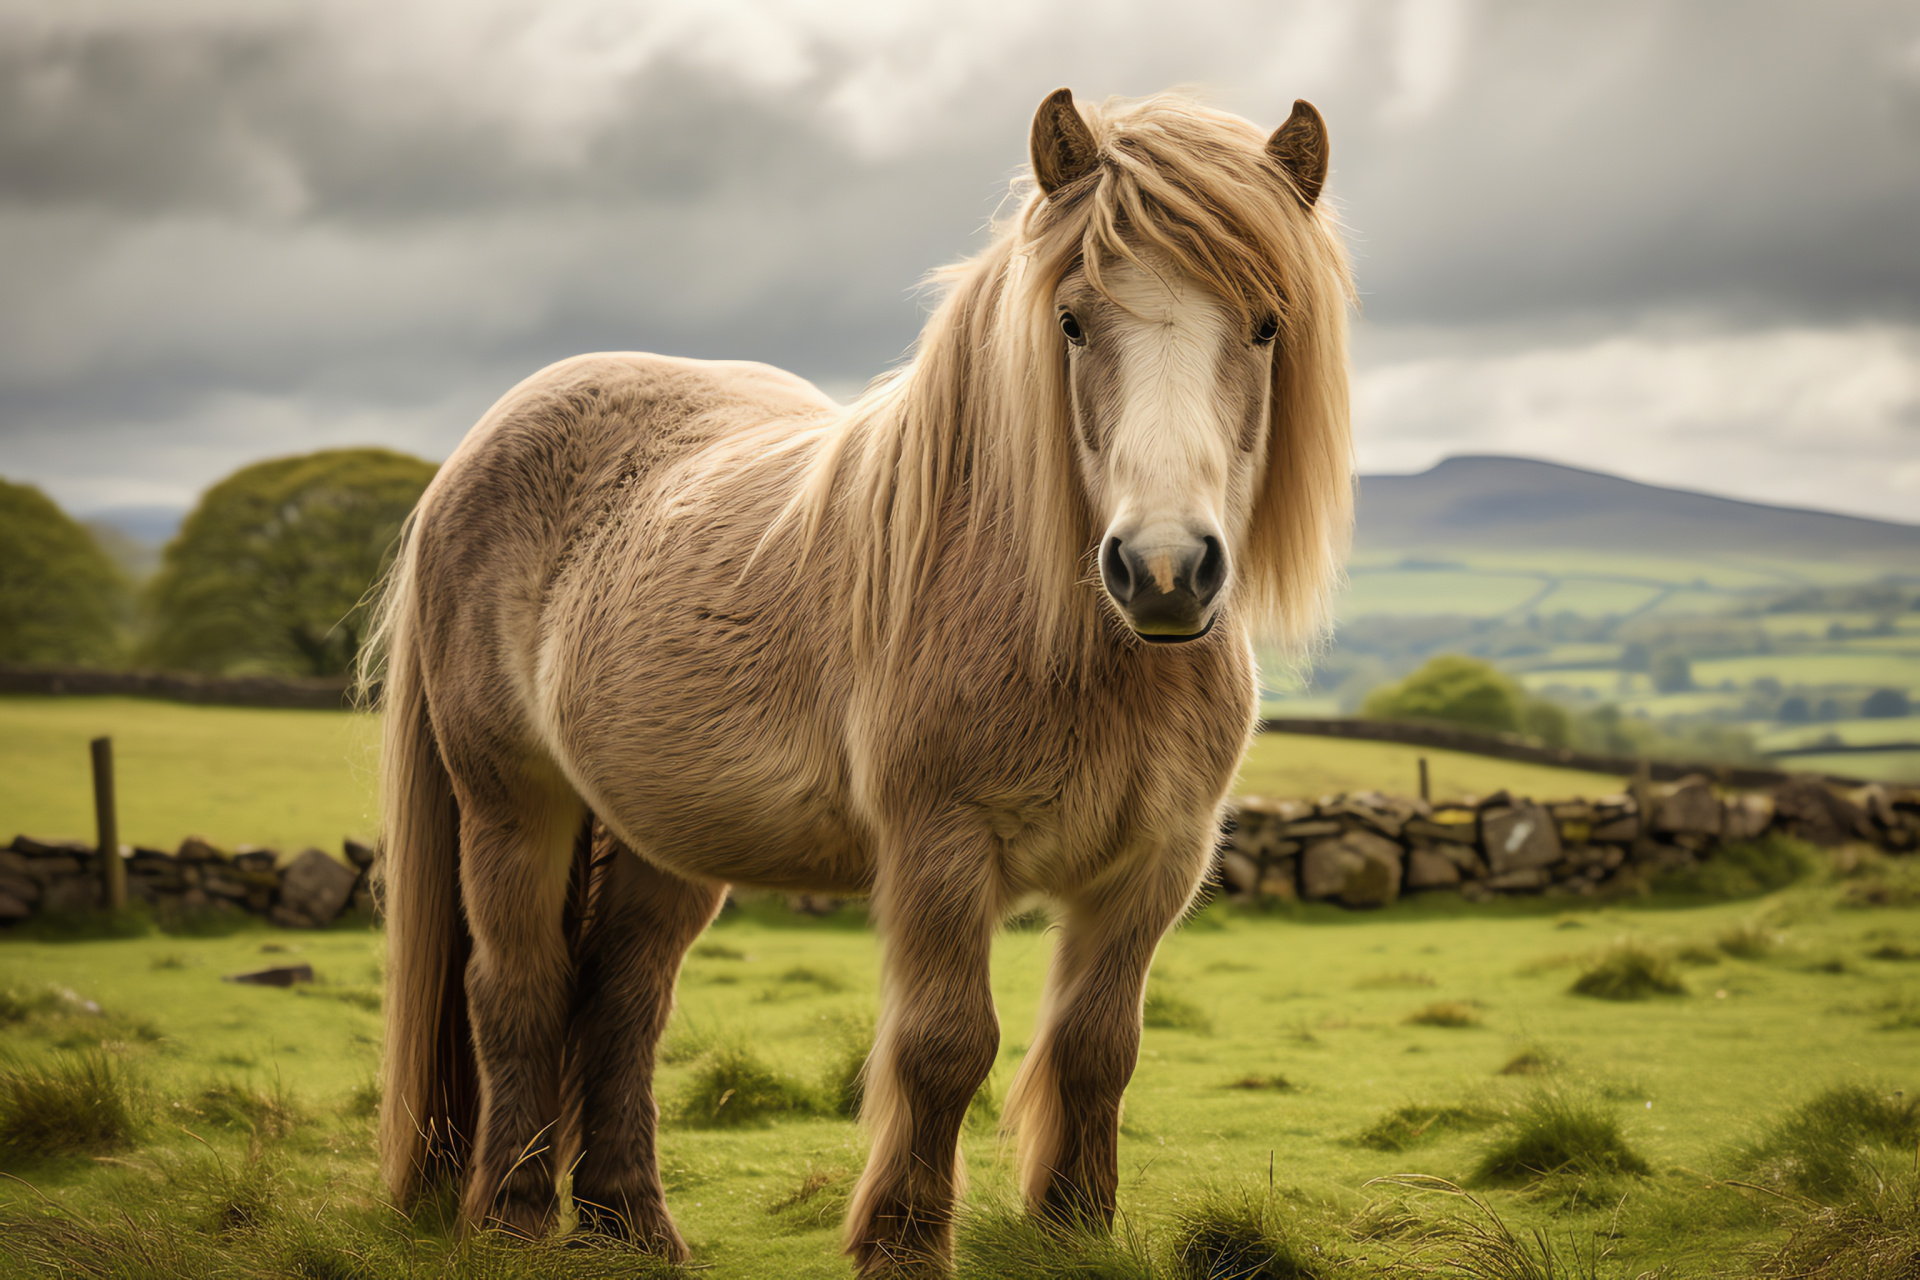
x,y
516,848
1065,1100
937,1041
638,922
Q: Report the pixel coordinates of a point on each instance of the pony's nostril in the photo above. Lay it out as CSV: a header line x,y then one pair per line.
x,y
1115,572
1211,573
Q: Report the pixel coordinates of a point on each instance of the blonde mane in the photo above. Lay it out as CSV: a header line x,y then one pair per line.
x,y
966,451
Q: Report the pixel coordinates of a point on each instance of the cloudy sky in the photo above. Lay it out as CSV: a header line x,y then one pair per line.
x,y
1680,241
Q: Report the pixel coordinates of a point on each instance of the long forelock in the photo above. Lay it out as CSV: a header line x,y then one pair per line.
x,y
980,413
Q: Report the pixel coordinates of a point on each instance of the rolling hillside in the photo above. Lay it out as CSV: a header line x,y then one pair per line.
x,y
1520,504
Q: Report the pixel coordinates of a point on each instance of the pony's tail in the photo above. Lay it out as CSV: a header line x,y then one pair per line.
x,y
429,1086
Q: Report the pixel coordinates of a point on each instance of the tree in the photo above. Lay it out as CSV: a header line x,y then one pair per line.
x,y
1455,688
271,570
1886,704
61,599
1672,673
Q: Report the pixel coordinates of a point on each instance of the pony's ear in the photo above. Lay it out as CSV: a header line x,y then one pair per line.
x,y
1063,147
1300,145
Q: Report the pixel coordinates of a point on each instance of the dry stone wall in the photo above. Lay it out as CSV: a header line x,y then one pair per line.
x,y
306,891
1367,849
1359,850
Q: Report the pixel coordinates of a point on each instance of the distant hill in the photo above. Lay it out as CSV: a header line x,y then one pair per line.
x,y
1521,504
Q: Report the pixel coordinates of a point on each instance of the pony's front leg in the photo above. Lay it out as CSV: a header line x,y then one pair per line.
x,y
938,1036
639,923
1065,1101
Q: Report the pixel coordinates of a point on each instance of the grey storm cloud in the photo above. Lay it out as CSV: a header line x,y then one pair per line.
x,y
235,230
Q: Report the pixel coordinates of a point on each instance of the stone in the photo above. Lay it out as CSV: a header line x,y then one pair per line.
x,y
1311,829
1279,881
1522,878
1238,872
1689,807
1359,869
69,895
49,848
219,886
199,849
279,976
316,886
12,909
1450,826
287,918
360,855
1518,837
1810,810
47,870
250,858
1621,830
1747,816
20,888
1462,856
1429,870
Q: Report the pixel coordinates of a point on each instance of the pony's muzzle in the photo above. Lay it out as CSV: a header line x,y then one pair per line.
x,y
1165,589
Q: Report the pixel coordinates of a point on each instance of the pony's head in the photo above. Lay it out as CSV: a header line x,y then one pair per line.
x,y
1180,289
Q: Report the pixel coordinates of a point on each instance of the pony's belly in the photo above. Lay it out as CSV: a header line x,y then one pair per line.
x,y
748,842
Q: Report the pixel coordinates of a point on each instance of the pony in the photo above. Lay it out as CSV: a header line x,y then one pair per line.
x,y
983,638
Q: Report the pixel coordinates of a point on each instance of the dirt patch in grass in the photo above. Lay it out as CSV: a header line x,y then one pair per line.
x,y
1628,971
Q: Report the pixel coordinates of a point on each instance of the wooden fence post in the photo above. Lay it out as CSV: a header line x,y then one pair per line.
x,y
113,872
1426,795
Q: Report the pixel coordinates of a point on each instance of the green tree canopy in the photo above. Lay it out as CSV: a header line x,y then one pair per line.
x,y
1463,690
61,598
1455,688
270,571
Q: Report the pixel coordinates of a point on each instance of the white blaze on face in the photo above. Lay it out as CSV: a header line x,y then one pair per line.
x,y
1169,455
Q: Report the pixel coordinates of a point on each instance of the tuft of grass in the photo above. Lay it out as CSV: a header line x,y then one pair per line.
x,y
718,951
364,1102
1239,1235
231,1104
1749,940
1628,971
1480,1245
1696,955
1170,1012
732,1087
1826,1147
1871,1235
999,1238
1745,869
168,960
819,1201
1530,1062
76,1104
1272,1084
1403,978
1559,1135
1444,1013
802,975
1894,951
1413,1124
368,998
845,1084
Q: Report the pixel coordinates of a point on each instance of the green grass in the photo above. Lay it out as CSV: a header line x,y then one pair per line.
x,y
1288,997
1560,1136
1629,970
236,775
290,779
1295,766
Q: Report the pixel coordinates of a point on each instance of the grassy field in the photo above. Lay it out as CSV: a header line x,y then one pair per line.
x,y
1332,1049
236,775
289,779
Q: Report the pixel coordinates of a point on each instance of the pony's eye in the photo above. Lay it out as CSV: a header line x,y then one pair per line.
x,y
1269,329
1071,327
